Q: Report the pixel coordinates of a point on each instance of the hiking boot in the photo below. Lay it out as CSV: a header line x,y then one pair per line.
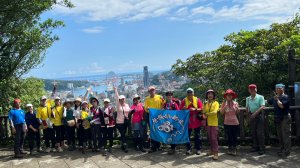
x,y
198,152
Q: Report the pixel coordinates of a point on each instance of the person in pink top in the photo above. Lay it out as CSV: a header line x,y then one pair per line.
x,y
230,109
171,104
195,105
122,121
137,123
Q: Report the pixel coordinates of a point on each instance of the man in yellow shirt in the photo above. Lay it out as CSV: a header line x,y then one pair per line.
x,y
156,102
58,127
44,116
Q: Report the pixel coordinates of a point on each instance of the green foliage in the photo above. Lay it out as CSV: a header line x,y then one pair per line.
x,y
24,37
258,57
29,90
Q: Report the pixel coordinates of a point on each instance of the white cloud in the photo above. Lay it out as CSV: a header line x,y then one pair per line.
x,y
196,11
93,30
263,10
122,10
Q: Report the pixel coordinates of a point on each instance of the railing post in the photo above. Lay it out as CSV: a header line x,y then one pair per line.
x,y
267,127
242,125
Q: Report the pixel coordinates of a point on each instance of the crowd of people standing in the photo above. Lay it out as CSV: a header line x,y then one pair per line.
x,y
94,126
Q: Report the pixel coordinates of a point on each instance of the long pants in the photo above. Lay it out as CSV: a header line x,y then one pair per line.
x,y
58,133
257,128
70,133
97,136
232,133
138,135
83,135
123,129
19,138
34,137
212,132
283,129
108,135
197,139
49,136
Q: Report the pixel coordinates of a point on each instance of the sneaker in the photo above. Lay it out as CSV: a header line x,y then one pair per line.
x,y
39,149
53,150
229,152
234,153
137,148
171,152
47,150
216,157
188,152
59,149
198,152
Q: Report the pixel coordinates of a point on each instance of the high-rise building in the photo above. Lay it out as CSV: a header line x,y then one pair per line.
x,y
146,76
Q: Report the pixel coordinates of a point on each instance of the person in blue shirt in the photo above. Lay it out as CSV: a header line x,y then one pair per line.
x,y
16,117
282,119
33,125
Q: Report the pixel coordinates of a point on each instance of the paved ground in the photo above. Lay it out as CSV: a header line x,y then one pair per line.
x,y
118,159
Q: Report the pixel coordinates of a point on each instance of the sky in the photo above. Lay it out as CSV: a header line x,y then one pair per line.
x,y
125,35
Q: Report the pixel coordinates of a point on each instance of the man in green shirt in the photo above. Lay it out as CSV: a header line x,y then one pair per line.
x,y
255,105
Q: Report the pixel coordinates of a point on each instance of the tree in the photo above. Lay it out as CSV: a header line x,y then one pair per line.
x,y
258,56
29,90
24,38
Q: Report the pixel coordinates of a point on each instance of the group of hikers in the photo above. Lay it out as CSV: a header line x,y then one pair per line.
x,y
95,125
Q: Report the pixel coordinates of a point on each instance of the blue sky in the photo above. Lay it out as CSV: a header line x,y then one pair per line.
x,y
125,35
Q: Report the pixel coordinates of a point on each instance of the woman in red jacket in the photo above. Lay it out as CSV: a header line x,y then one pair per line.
x,y
193,104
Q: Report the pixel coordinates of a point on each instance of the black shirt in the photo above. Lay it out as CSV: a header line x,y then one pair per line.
x,y
32,120
279,112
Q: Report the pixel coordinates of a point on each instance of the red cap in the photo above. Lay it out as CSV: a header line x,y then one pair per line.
x,y
229,91
17,101
252,86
